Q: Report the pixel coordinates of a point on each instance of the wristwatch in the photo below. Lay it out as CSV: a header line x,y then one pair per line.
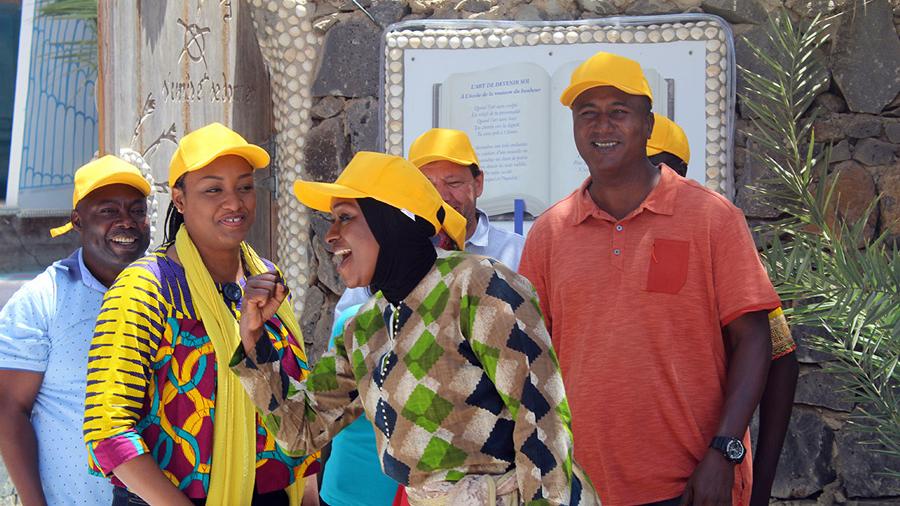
x,y
732,448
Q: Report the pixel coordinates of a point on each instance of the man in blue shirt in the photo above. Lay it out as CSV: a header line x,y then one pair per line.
x,y
353,474
46,329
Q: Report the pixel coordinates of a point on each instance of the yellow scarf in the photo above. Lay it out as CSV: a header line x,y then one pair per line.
x,y
233,470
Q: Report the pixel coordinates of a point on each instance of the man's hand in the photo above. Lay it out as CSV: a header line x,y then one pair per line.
x,y
711,482
263,294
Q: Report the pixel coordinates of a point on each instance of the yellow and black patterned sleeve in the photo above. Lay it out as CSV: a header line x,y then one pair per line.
x,y
126,337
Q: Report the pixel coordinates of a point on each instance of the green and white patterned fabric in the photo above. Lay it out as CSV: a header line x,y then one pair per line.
x,y
459,379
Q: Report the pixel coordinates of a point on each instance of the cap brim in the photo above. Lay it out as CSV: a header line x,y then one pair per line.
x,y
318,195
571,93
127,178
255,156
653,151
425,160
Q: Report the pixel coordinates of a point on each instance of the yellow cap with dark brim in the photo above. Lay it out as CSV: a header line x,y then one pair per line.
x,y
668,137
442,144
104,171
606,69
391,180
200,147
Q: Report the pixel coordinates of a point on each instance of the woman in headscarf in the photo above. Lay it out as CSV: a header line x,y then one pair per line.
x,y
164,417
450,359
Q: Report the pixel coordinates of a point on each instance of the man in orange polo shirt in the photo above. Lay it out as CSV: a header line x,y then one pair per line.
x,y
669,145
657,304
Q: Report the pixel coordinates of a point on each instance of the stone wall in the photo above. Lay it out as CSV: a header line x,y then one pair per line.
x,y
26,245
822,462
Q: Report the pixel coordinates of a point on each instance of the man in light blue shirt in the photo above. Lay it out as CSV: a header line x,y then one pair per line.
x,y
447,159
46,329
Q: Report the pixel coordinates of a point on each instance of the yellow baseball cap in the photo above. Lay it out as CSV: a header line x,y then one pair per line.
x,y
391,180
606,69
102,172
668,137
200,147
442,144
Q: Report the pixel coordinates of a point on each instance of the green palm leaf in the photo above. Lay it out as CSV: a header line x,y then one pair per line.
x,y
831,275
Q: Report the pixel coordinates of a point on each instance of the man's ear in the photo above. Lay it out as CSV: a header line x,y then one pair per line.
x,y
479,184
75,218
651,120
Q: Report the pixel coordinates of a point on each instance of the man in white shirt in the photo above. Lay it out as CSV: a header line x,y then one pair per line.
x,y
46,329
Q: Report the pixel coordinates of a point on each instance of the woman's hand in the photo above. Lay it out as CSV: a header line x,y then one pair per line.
x,y
263,294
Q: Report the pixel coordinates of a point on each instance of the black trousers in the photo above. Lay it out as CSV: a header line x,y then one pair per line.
x,y
122,497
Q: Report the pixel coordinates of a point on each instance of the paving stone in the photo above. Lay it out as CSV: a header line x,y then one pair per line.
x,y
861,126
326,150
870,82
806,352
840,152
874,152
805,464
860,465
736,11
853,193
388,12
892,131
820,388
889,188
362,124
348,65
327,107
831,102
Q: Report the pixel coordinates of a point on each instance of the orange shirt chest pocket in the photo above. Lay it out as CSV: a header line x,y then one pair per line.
x,y
668,267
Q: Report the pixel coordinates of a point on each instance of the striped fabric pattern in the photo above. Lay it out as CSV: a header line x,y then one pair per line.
x,y
151,385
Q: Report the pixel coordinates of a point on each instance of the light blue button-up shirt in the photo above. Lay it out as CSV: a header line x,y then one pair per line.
x,y
487,240
46,327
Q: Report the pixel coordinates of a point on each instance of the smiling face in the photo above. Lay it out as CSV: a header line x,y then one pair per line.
x,y
355,248
218,203
458,187
114,228
611,129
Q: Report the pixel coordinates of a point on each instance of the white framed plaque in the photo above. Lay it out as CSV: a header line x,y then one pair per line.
x,y
500,82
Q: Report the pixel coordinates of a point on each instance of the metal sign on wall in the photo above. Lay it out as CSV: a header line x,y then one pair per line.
x,y
500,82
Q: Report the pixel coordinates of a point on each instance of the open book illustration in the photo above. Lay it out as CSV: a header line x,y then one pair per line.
x,y
521,133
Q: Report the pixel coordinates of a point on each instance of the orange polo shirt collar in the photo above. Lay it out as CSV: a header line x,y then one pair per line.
x,y
660,200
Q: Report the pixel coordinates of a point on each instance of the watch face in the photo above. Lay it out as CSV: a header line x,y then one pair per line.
x,y
734,450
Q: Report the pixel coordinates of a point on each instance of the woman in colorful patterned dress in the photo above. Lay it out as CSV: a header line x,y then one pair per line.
x,y
450,359
164,417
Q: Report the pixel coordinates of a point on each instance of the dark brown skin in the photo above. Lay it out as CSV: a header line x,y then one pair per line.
x,y
219,205
17,440
621,174
112,222
611,129
109,214
749,351
774,416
